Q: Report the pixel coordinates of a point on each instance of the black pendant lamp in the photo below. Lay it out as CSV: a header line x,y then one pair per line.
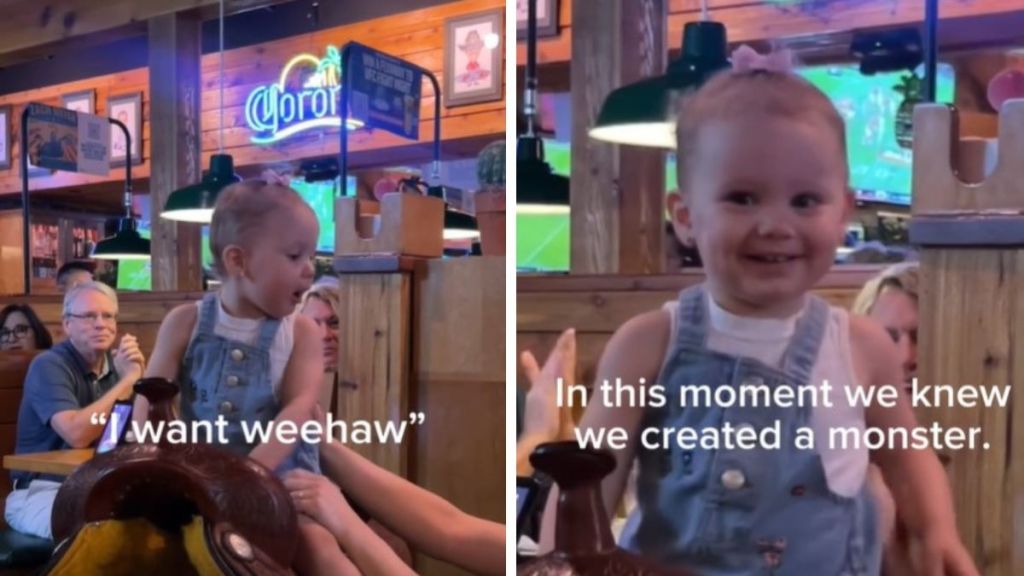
x,y
126,243
458,225
195,203
643,113
538,189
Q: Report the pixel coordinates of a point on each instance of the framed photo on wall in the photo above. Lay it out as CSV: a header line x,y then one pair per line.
x,y
5,137
473,58
84,101
127,109
547,18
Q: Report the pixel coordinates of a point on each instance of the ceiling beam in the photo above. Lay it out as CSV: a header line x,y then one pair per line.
x,y
31,30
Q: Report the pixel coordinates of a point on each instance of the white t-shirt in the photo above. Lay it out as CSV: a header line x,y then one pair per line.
x,y
766,339
247,330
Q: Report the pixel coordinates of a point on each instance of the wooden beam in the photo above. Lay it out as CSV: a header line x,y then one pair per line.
x,y
30,28
174,51
754,22
617,193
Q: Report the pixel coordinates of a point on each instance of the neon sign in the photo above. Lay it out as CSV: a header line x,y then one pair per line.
x,y
303,98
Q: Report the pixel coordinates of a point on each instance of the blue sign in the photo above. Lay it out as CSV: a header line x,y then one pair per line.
x,y
385,91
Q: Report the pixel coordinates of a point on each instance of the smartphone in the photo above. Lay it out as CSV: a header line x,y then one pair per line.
x,y
117,425
526,495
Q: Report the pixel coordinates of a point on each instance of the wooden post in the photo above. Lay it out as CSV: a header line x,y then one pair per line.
x,y
972,318
174,83
618,192
374,357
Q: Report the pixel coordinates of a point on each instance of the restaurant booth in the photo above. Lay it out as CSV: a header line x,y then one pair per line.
x,y
422,315
610,254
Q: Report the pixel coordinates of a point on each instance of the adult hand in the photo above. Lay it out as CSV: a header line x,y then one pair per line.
x,y
942,554
128,358
544,418
320,499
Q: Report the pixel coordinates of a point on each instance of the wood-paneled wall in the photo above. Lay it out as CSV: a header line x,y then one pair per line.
x,y
416,36
139,314
597,305
753,22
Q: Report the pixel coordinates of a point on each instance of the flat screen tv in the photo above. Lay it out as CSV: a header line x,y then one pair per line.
x,y
880,170
136,274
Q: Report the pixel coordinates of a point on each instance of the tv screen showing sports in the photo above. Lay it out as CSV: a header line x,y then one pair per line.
x,y
880,170
136,274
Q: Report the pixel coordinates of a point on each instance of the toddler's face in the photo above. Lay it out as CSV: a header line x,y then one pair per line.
x,y
767,204
281,265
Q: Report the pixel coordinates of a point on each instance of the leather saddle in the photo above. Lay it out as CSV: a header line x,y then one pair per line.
x,y
159,509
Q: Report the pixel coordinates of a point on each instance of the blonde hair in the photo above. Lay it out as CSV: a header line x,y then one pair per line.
x,y
326,293
903,277
242,210
731,94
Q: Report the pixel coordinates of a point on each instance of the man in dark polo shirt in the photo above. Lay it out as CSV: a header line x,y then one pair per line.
x,y
64,387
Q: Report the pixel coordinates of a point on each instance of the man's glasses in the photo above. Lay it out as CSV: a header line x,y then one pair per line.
x,y
92,317
14,334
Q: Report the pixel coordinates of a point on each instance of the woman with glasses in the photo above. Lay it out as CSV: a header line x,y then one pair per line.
x,y
21,329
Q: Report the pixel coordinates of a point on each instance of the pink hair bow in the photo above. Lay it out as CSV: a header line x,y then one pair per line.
x,y
272,177
746,59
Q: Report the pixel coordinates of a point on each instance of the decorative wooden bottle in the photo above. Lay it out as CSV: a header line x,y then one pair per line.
x,y
583,538
406,225
971,232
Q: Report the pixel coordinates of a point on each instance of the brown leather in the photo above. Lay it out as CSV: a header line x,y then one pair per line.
x,y
168,484
583,539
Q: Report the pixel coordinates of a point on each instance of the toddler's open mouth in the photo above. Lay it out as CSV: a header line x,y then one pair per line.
x,y
772,258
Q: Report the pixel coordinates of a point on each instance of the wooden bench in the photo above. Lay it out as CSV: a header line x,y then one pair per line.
x,y
13,367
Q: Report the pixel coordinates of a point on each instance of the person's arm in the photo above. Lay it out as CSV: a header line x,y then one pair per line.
x,y
168,352
72,423
545,421
427,521
915,477
300,388
316,497
635,351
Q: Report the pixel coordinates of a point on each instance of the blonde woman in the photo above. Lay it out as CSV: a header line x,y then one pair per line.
x,y
891,299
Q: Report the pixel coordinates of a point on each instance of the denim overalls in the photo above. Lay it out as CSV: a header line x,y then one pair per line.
x,y
745,512
225,377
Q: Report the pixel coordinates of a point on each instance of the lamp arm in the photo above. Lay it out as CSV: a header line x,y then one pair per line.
x,y
27,256
127,166
346,86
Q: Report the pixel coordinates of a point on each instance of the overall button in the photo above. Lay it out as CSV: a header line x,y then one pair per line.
x,y
237,355
753,381
226,407
232,380
733,479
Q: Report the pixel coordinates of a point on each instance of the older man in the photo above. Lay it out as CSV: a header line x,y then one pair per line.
x,y
65,386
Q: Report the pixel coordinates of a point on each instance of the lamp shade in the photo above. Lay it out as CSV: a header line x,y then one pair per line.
x,y
538,189
126,244
643,113
459,225
195,203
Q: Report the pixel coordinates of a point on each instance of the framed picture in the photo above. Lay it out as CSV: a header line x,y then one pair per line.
x,y
547,18
473,57
127,109
5,137
84,101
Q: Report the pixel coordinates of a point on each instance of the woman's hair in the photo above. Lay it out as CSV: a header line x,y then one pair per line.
x,y
902,277
44,341
326,293
731,94
243,211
